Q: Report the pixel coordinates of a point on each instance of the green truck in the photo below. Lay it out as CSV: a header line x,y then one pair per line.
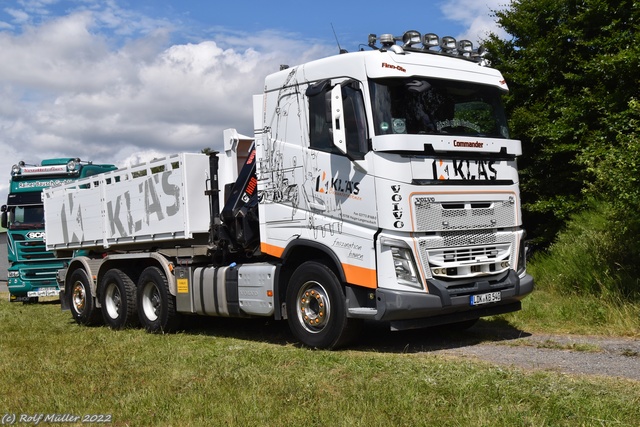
x,y
32,269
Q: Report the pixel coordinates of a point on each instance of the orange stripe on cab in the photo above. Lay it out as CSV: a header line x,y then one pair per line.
x,y
360,276
272,250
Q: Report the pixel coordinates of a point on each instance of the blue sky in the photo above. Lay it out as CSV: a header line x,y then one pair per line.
x,y
121,81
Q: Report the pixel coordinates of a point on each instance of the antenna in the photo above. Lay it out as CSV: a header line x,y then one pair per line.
x,y
336,36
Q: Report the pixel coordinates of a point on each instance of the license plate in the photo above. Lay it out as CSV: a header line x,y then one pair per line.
x,y
485,298
44,293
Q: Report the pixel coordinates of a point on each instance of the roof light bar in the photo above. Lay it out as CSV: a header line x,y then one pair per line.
x,y
431,43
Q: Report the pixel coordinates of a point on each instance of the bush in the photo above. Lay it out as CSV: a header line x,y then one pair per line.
x,y
597,253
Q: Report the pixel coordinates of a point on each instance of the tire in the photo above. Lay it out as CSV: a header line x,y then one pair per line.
x,y
81,299
117,295
316,308
156,306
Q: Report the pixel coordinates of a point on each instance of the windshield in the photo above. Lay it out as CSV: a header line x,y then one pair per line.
x,y
437,107
26,217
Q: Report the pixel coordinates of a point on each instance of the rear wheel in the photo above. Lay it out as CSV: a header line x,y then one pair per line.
x,y
156,306
316,307
118,299
81,299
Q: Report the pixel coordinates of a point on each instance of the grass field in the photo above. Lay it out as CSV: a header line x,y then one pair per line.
x,y
248,373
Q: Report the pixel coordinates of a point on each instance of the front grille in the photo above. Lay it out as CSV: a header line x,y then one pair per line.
x,y
444,216
478,254
455,256
30,250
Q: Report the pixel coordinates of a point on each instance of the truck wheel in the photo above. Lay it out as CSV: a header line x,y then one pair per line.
x,y
316,307
156,306
117,294
81,299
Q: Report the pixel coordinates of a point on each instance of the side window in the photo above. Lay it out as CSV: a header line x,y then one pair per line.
x,y
355,121
319,124
320,130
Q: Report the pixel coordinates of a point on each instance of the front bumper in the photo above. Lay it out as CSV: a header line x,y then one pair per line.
x,y
24,291
442,305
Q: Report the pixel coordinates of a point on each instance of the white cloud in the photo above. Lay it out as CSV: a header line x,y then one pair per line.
x,y
476,16
68,90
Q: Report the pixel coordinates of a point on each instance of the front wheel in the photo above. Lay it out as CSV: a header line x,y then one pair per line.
x,y
316,307
118,299
156,306
81,299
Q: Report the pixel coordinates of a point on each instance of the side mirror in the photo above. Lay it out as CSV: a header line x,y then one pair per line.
x,y
3,218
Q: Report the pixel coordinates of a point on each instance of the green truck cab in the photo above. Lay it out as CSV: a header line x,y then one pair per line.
x,y
32,269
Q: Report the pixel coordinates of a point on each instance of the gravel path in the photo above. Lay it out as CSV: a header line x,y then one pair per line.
x,y
501,344
612,357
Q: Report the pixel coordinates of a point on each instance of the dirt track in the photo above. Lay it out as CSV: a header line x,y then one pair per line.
x,y
614,357
506,346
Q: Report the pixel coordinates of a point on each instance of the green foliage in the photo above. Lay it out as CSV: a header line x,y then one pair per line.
x,y
594,255
615,163
572,67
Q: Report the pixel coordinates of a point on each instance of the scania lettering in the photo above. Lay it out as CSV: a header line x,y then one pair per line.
x,y
32,269
380,186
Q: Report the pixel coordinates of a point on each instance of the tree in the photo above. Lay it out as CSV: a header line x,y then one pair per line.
x,y
572,67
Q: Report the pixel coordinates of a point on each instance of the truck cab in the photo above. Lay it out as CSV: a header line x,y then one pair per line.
x,y
32,269
406,177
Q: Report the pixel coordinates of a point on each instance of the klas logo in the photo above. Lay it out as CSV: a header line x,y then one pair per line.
x,y
336,185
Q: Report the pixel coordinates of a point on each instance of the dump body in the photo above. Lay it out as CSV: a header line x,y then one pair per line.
x,y
161,203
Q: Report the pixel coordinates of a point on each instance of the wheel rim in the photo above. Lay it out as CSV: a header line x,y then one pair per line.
x,y
151,302
313,307
79,297
113,301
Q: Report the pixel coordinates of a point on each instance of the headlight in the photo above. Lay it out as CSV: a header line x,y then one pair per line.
x,y
405,267
404,264
12,274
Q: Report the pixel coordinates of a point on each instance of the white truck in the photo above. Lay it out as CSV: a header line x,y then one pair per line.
x,y
380,185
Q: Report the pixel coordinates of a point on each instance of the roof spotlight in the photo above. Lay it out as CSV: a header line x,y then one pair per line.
x,y
387,39
465,46
448,44
410,38
430,40
372,40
